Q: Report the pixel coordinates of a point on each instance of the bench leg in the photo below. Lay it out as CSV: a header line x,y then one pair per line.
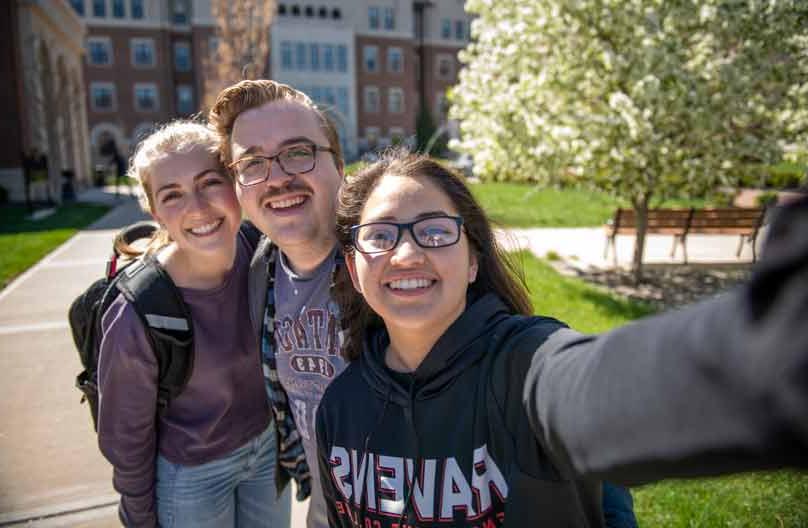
x,y
684,248
673,247
740,247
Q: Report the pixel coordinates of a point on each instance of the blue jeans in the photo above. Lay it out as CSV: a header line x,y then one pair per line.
x,y
237,490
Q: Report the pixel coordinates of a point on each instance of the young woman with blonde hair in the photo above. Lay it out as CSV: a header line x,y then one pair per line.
x,y
209,458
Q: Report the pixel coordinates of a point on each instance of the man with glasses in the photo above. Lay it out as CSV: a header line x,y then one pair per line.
x,y
287,162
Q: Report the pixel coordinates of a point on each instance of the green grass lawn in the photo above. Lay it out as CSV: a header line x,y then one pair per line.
x,y
522,205
23,242
776,499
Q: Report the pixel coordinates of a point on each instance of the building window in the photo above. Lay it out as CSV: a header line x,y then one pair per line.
x,y
99,51
342,100
78,6
373,17
143,52
441,107
286,55
328,57
213,46
99,8
371,58
372,136
396,135
118,9
136,9
185,99
460,29
296,10
336,14
328,96
395,100
445,67
389,18
371,100
102,96
182,56
300,56
322,12
180,14
314,57
395,60
342,58
146,97
281,9
446,28
309,11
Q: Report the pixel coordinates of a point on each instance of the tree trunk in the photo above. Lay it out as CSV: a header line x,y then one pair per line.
x,y
641,212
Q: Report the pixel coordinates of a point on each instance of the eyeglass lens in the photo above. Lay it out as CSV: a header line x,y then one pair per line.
x,y
428,233
296,159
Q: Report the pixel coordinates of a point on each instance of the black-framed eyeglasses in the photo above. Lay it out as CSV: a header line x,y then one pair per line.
x,y
299,158
430,232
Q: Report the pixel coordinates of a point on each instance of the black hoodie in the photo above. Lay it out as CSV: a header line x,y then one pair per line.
x,y
718,387
460,421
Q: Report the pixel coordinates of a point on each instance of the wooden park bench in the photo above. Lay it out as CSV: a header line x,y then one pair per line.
x,y
744,222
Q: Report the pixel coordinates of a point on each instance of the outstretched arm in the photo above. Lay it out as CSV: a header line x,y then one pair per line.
x,y
718,387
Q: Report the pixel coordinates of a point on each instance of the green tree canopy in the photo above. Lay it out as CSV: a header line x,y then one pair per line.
x,y
641,98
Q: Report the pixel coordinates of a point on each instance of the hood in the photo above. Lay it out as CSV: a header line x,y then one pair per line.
x,y
463,343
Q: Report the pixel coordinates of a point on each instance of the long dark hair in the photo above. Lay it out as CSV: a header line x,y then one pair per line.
x,y
496,272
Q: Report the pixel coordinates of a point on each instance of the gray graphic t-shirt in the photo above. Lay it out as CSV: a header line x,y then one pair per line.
x,y
307,352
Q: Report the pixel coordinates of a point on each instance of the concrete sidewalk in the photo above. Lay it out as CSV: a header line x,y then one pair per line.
x,y
51,472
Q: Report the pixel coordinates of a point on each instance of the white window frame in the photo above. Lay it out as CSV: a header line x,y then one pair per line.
x,y
107,42
113,98
440,57
366,94
391,92
390,52
135,100
187,45
134,43
365,51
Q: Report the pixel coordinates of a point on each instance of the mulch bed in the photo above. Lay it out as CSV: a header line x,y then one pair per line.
x,y
664,286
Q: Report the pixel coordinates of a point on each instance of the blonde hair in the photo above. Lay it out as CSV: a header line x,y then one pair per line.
x,y
176,137
248,94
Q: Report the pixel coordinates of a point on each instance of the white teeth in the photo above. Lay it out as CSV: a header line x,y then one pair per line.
x,y
410,284
282,204
205,229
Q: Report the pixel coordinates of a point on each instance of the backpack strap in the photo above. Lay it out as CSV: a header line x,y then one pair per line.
x,y
158,302
251,233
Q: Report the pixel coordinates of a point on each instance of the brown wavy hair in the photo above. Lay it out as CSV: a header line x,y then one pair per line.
x,y
245,95
497,273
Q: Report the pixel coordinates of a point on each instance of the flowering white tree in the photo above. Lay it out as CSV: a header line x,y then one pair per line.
x,y
640,98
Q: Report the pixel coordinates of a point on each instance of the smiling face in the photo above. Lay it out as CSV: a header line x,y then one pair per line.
x,y
410,287
294,211
196,203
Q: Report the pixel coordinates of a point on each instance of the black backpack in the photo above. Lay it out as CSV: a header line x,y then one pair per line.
x,y
160,306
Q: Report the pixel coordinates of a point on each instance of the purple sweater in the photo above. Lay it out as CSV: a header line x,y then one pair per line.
x,y
223,406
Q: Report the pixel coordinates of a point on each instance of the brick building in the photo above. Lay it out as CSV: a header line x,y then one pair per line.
x,y
44,113
369,63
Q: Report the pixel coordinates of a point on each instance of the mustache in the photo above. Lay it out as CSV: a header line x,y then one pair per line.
x,y
291,187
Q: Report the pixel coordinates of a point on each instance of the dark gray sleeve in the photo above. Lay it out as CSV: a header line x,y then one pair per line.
x,y
718,387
